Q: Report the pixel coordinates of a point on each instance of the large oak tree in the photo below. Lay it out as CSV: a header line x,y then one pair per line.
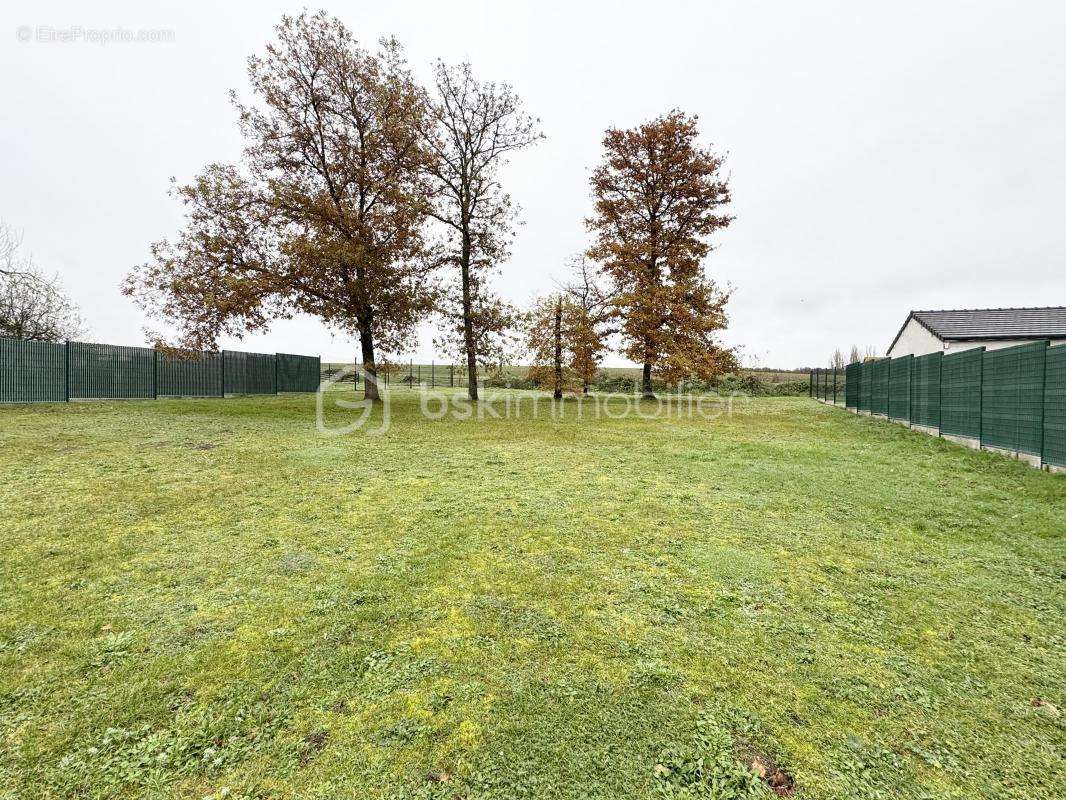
x,y
658,198
325,212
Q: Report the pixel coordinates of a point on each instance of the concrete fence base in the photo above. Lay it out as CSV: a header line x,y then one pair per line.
x,y
966,441
1029,458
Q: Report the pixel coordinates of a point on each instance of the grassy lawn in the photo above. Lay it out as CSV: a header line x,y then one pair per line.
x,y
211,599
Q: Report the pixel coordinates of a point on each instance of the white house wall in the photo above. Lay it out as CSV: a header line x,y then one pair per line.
x,y
915,340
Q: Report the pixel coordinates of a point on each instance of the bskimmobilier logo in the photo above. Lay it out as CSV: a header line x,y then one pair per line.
x,y
337,413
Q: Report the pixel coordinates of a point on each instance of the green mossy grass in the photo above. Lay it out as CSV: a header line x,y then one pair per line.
x,y
209,598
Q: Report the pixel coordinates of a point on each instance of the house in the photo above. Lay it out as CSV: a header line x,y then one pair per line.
x,y
992,328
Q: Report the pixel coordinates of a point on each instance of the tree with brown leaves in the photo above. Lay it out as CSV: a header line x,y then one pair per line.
x,y
588,323
325,213
545,331
477,125
658,195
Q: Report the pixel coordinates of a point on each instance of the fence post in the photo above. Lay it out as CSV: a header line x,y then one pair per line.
x,y
1043,407
66,369
222,369
155,374
276,374
834,384
981,402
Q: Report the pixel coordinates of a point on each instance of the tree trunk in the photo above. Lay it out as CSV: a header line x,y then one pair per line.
x,y
558,393
646,381
370,368
468,321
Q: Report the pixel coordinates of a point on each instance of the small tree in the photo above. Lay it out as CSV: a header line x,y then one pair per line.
x,y
33,304
657,199
854,355
476,126
587,326
837,361
546,330
325,213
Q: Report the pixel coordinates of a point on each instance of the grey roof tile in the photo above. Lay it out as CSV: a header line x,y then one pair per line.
x,y
995,323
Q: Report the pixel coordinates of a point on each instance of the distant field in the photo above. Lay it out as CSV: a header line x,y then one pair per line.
x,y
442,372
210,599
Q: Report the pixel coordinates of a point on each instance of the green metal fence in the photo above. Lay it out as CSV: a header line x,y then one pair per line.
x,y
298,373
1012,398
899,388
32,372
853,387
960,393
866,387
110,372
1055,405
250,373
880,373
925,390
198,376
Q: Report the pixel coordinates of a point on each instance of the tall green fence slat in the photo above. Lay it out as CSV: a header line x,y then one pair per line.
x,y
196,376
250,373
1012,398
960,393
866,386
852,384
297,373
879,386
32,372
899,393
1055,406
104,371
925,390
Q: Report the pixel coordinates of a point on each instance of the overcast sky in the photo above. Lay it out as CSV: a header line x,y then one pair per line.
x,y
884,157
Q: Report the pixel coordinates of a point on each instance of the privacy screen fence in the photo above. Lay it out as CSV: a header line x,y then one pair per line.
x,y
1012,399
34,372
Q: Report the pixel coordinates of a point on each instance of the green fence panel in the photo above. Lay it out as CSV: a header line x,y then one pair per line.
x,y
925,390
32,372
1055,406
960,393
104,371
1012,398
879,378
899,390
298,373
250,373
852,384
866,387
197,376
